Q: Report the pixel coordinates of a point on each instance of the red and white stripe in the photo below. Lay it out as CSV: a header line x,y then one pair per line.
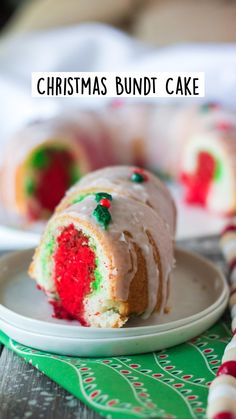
x,y
222,393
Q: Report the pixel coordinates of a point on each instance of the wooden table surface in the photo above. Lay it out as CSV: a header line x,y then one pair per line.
x,y
27,393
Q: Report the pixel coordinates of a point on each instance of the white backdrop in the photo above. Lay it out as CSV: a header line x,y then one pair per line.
x,y
95,47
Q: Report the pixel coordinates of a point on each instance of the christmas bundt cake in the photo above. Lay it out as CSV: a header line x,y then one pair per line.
x,y
106,256
193,144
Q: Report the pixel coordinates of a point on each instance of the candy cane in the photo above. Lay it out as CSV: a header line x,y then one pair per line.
x,y
222,393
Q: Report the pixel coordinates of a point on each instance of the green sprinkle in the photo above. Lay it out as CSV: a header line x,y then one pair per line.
x,y
30,186
101,195
40,159
137,177
102,216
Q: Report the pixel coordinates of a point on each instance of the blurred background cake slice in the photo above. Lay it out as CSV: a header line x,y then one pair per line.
x,y
209,169
45,158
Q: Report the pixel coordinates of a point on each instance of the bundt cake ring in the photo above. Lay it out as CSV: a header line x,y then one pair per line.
x,y
107,256
191,144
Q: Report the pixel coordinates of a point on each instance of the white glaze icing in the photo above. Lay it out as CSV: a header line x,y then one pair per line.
x,y
117,179
126,216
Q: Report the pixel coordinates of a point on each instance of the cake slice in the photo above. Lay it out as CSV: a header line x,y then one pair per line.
x,y
104,258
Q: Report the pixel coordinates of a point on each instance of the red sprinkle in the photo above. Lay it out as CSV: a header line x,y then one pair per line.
x,y
141,172
228,368
105,203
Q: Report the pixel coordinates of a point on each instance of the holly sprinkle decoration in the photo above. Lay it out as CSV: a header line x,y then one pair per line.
x,y
139,176
105,203
100,195
101,212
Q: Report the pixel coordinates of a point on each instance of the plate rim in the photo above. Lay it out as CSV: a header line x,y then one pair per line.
x,y
122,338
109,332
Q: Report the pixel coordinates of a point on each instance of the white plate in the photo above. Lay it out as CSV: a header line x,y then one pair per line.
x,y
15,233
199,294
112,346
197,288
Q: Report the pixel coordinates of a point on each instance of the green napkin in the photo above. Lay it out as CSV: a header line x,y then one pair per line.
x,y
172,383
